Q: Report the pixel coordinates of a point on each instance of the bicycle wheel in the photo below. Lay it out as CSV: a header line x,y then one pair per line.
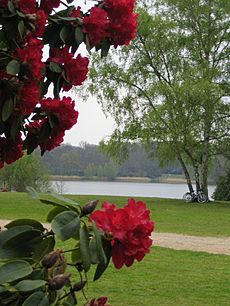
x,y
202,198
187,197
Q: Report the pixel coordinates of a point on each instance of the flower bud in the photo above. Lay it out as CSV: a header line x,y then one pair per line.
x,y
80,285
89,208
58,281
50,259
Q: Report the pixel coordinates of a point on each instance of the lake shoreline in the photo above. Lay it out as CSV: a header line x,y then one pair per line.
x,y
162,179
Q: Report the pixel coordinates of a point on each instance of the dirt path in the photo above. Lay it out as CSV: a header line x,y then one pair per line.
x,y
214,245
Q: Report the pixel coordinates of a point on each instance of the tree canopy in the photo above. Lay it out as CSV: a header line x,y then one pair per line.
x,y
171,85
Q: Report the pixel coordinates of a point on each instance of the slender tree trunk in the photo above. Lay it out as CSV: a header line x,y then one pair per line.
x,y
186,173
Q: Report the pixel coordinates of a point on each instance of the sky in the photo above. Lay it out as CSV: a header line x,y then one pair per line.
x,y
92,125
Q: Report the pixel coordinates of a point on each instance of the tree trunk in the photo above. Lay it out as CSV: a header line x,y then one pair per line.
x,y
204,164
186,173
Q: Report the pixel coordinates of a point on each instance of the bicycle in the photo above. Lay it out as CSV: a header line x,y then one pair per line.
x,y
199,197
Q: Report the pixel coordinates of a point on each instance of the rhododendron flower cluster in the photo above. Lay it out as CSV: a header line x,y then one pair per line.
x,y
129,230
28,117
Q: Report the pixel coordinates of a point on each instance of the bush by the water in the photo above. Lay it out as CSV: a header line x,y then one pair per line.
x,y
222,191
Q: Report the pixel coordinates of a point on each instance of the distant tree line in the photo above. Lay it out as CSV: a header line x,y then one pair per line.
x,y
87,161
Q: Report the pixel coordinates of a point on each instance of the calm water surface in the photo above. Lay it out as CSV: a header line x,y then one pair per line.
x,y
161,190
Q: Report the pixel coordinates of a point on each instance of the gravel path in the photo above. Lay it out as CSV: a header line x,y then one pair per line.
x,y
214,245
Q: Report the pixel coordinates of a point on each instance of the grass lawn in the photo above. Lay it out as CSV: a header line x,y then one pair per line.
x,y
167,277
170,215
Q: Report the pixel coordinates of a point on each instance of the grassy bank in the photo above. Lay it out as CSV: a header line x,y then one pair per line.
x,y
170,215
168,277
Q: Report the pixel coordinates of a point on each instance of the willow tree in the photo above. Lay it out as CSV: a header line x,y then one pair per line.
x,y
171,85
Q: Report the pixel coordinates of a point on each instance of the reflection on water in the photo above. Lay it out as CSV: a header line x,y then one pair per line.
x,y
160,190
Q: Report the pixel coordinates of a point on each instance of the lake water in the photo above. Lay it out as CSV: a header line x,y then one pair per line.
x,y
160,190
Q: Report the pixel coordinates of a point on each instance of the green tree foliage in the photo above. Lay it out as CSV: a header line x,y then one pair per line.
x,y
27,171
222,191
171,86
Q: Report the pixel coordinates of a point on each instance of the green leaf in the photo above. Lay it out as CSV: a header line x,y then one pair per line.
x,y
12,232
20,245
105,47
99,248
63,199
29,285
13,67
33,223
54,212
11,7
37,299
93,251
66,225
7,109
32,192
79,35
21,28
76,254
55,67
50,202
46,246
101,267
64,33
87,43
14,270
84,248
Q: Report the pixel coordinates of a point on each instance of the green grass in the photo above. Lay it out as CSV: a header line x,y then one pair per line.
x,y
167,277
164,277
170,215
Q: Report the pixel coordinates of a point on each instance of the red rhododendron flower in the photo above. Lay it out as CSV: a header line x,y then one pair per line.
x,y
76,68
116,9
31,58
128,228
28,6
29,96
122,31
53,140
102,301
48,5
10,151
96,24
41,18
62,111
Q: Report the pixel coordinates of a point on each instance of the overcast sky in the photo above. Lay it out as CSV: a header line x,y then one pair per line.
x,y
92,125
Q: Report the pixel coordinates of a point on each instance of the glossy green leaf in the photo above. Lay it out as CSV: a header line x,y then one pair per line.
x,y
66,225
54,212
79,35
63,199
64,33
43,248
21,28
84,248
99,248
37,299
105,46
8,108
20,245
29,285
93,251
14,270
12,232
55,67
76,254
33,223
13,67
101,267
